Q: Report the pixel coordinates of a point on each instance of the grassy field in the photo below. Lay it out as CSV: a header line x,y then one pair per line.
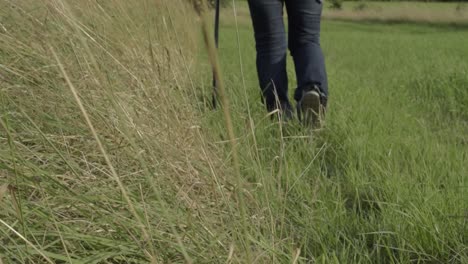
x,y
110,153
427,12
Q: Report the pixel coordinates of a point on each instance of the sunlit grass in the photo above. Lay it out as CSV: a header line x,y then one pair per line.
x,y
421,12
110,153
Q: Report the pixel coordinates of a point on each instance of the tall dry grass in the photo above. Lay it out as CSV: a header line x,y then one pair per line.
x,y
102,157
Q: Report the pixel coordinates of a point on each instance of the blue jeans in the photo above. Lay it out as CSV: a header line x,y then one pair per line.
x,y
304,45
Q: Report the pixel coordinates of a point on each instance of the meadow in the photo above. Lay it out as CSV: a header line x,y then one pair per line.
x,y
110,151
401,11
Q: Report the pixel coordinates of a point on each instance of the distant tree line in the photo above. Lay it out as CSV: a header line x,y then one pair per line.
x,y
446,1
338,4
225,3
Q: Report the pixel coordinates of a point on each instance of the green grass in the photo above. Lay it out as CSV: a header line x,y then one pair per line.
x,y
384,182
374,185
401,11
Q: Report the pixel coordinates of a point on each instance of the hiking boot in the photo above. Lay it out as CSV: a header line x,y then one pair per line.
x,y
310,109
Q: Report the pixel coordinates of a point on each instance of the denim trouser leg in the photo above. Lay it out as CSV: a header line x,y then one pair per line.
x,y
304,44
271,46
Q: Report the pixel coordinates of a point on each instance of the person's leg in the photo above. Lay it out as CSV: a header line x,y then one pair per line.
x,y
304,44
271,46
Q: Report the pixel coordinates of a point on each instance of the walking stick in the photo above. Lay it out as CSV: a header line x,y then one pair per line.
x,y
216,36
